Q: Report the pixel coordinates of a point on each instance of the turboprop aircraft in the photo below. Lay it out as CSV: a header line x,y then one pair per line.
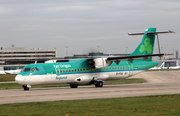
x,y
94,70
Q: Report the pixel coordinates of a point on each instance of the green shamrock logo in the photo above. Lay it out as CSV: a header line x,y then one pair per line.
x,y
147,47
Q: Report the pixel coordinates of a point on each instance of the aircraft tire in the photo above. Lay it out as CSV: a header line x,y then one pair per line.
x,y
73,86
99,84
25,88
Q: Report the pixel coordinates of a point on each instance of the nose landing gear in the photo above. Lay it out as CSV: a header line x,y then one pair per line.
x,y
26,87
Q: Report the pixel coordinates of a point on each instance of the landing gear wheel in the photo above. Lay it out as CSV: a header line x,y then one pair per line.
x,y
73,86
25,87
99,84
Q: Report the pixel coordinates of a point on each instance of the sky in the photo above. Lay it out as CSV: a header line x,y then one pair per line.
x,y
83,26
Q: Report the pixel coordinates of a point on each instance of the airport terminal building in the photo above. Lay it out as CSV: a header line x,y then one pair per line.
x,y
17,57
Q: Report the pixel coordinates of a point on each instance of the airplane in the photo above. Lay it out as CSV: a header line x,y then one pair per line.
x,y
93,70
167,64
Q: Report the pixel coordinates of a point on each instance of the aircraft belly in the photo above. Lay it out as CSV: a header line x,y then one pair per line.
x,y
118,75
58,79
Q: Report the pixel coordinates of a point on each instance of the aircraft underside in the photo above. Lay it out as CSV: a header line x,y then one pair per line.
x,y
76,79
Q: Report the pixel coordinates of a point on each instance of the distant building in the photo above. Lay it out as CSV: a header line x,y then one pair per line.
x,y
13,59
20,55
93,54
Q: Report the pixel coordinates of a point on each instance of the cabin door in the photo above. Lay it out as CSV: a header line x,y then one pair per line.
x,y
49,77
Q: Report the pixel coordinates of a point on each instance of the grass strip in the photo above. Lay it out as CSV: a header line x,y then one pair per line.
x,y
164,105
164,70
8,77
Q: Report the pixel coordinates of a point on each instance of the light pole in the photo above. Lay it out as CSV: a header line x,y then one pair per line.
x,y
66,50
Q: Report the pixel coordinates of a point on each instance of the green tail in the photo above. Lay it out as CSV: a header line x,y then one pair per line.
x,y
147,44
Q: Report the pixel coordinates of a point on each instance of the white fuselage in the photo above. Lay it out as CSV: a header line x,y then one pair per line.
x,y
85,78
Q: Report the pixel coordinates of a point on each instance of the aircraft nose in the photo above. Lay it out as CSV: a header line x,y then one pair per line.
x,y
19,79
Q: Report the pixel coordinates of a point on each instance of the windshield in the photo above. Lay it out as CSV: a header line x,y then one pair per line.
x,y
31,69
26,69
37,69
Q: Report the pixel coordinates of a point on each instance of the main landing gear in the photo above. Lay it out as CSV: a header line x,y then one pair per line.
x,y
98,84
73,86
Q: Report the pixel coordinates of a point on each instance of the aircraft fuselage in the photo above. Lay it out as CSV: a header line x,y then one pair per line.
x,y
78,73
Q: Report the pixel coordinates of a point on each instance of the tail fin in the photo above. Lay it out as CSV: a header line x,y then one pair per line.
x,y
147,44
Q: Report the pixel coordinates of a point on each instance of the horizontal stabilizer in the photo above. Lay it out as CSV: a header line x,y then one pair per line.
x,y
162,32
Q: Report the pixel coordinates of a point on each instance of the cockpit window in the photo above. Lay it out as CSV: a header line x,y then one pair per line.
x,y
27,69
37,69
32,69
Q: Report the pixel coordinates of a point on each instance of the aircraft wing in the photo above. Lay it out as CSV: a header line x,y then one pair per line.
x,y
117,59
103,62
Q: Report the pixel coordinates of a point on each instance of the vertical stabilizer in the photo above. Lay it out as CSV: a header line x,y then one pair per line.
x,y
147,44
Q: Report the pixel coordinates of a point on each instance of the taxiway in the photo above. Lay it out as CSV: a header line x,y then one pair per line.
x,y
158,83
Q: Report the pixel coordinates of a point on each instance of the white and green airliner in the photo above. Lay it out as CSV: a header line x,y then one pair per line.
x,y
92,70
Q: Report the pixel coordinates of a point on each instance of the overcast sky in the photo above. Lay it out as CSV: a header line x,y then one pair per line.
x,y
83,25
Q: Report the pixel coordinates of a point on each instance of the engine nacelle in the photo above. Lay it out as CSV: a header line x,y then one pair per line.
x,y
83,80
101,62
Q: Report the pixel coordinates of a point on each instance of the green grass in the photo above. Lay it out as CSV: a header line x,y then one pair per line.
x,y
8,77
4,86
166,105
